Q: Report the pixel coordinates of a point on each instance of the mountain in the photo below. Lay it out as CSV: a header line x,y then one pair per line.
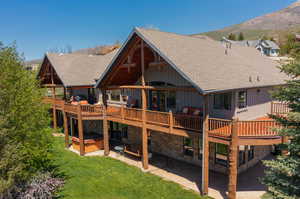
x,y
287,19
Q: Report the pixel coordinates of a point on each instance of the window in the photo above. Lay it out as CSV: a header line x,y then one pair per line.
x,y
221,154
250,153
222,101
115,95
188,147
242,100
118,131
171,100
242,155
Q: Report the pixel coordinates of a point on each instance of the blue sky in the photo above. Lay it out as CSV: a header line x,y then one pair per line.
x,y
38,26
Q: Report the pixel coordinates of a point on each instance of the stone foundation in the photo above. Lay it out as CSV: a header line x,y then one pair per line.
x,y
172,146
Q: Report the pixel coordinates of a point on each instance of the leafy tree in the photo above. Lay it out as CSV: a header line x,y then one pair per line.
x,y
241,37
283,174
25,138
287,44
232,37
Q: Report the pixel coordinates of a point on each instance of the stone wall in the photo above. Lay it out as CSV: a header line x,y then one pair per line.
x,y
172,146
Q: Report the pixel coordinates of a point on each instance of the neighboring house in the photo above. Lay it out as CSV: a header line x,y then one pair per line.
x,y
297,36
266,47
186,98
33,65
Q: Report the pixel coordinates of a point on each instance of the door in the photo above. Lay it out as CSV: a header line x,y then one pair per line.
x,y
157,100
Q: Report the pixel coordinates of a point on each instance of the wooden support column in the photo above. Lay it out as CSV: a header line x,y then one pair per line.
x,y
80,130
205,144
144,108
66,129
233,156
105,124
284,140
54,109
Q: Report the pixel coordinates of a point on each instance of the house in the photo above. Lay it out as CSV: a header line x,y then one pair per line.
x,y
266,47
182,97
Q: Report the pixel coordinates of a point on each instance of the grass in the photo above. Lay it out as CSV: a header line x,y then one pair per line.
x,y
106,178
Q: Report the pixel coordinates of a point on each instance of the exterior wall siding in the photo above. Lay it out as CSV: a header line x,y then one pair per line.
x,y
258,104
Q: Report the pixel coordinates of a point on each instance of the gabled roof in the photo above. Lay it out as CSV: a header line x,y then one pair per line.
x,y
79,69
205,64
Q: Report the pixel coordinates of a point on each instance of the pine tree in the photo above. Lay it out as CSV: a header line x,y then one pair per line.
x,y
25,139
283,174
241,37
232,37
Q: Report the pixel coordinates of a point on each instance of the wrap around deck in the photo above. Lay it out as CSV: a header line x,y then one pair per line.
x,y
178,124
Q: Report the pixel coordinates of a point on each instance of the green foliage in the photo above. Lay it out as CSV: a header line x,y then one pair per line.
x,y
283,174
289,45
241,37
25,139
232,37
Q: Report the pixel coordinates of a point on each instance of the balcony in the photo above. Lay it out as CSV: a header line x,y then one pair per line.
x,y
178,124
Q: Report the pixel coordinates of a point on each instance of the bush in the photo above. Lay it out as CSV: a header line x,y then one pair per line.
x,y
25,136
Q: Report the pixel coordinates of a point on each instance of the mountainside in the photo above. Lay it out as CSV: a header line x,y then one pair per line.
x,y
287,19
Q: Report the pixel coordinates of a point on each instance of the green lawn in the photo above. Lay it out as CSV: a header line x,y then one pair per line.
x,y
102,177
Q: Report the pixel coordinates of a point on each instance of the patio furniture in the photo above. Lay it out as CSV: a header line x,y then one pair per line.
x,y
134,150
119,149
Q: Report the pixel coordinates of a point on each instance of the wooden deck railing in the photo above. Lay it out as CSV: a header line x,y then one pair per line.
x,y
156,117
257,128
219,127
279,108
188,122
251,128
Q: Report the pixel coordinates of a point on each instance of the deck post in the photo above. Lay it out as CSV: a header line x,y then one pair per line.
x,y
66,128
144,107
105,124
80,130
284,140
171,121
205,144
233,156
54,109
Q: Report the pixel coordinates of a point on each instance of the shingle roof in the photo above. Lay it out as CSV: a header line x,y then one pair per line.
x,y
206,65
79,69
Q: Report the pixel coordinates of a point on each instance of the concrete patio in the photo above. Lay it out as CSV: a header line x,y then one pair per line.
x,y
189,176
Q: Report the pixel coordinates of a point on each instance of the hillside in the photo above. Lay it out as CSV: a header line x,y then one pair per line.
x,y
287,19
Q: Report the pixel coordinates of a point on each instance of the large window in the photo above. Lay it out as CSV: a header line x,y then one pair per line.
x,y
222,101
221,154
242,99
115,95
188,147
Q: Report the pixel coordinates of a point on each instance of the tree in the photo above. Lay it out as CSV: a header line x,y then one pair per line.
x,y
25,136
241,37
232,37
283,174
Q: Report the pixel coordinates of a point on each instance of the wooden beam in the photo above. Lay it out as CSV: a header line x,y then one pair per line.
x,y
105,123
54,110
177,88
66,130
205,155
158,64
144,107
80,130
233,156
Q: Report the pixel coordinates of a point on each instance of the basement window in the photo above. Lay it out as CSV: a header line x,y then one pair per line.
x,y
221,154
188,147
250,153
242,99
